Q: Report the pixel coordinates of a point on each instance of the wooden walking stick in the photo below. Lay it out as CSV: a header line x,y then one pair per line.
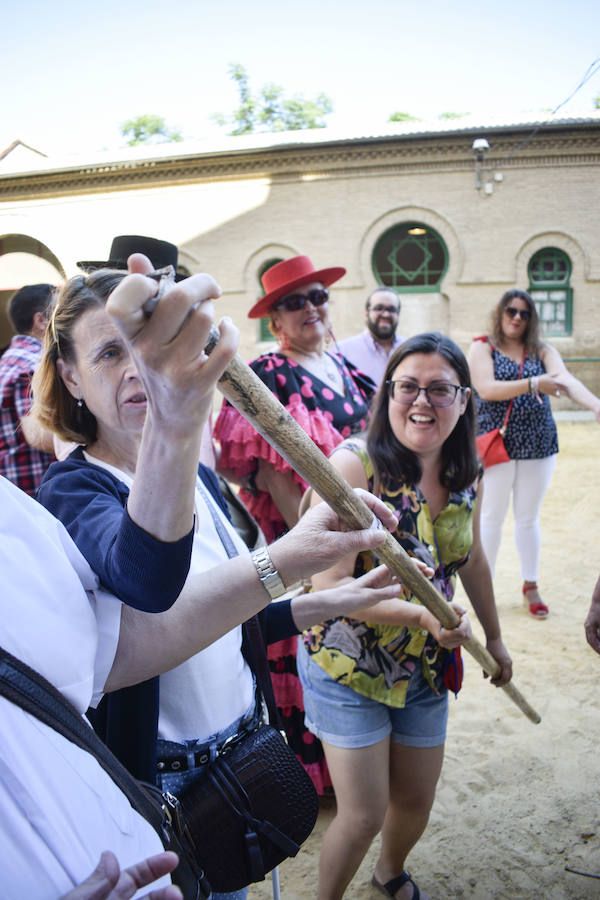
x,y
246,392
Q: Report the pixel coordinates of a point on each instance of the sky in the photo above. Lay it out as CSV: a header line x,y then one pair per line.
x,y
73,72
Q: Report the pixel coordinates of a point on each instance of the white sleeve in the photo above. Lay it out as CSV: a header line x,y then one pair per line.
x,y
107,609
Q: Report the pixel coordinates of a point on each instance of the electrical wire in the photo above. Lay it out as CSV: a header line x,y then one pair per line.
x,y
589,73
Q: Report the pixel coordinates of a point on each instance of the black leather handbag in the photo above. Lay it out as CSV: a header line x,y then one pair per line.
x,y
253,809
28,689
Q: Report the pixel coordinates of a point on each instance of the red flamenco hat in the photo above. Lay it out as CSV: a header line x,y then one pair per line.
x,y
282,278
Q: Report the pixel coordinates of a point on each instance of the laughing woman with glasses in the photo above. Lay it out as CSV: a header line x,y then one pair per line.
x,y
514,364
376,691
330,400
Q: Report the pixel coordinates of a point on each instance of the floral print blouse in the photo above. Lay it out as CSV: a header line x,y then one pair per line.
x,y
379,661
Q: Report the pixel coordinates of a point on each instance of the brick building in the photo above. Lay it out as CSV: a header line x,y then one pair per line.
x,y
448,223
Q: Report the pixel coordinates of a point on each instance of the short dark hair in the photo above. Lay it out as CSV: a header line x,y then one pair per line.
x,y
29,300
531,335
53,405
391,459
382,288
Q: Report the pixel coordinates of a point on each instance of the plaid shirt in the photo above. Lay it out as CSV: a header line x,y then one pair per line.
x,y
19,462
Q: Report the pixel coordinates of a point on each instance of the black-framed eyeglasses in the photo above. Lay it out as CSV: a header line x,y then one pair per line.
x,y
390,310
318,296
439,393
513,312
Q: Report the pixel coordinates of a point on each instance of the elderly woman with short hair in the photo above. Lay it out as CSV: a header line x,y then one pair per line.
x,y
149,519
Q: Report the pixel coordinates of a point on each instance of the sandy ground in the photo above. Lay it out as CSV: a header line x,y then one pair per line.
x,y
517,803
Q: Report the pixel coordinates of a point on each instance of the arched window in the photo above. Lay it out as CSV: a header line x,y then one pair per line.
x,y
549,276
410,257
264,332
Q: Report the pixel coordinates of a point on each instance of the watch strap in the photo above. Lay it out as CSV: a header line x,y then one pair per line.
x,y
267,573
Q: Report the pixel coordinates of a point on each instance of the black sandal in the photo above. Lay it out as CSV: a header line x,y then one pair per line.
x,y
394,884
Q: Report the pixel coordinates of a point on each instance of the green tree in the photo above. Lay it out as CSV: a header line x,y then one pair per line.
x,y
597,102
452,115
270,110
148,129
402,117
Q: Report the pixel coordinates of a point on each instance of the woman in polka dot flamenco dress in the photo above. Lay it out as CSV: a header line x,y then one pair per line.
x,y
330,399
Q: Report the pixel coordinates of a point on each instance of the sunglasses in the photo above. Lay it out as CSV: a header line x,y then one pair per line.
x,y
513,312
317,297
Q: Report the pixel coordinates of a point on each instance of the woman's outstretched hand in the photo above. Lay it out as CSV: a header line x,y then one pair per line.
x,y
320,539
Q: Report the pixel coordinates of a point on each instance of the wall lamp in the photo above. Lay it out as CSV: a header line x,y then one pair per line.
x,y
480,148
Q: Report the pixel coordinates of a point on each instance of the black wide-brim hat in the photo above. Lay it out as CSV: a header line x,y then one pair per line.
x,y
160,253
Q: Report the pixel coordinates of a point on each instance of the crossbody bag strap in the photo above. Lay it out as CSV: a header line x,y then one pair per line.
x,y
510,405
256,643
260,664
28,689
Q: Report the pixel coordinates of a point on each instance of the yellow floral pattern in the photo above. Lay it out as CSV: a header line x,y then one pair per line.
x,y
378,661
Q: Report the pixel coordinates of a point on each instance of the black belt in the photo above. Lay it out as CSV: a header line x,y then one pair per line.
x,y
178,762
181,763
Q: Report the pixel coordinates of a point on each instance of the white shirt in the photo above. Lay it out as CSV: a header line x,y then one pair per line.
x,y
59,809
211,690
367,354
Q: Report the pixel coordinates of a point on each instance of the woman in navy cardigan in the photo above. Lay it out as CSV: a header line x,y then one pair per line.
x,y
149,521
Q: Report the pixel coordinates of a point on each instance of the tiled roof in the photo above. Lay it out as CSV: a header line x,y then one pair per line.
x,y
216,145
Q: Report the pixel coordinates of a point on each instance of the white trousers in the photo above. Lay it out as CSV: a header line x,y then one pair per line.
x,y
528,479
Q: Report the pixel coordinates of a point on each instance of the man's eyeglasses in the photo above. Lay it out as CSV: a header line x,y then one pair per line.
x,y
318,296
440,393
513,312
390,310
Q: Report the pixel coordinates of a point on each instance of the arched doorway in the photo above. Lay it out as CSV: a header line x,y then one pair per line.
x,y
23,260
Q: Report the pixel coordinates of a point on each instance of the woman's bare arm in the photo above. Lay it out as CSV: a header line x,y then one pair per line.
x,y
214,602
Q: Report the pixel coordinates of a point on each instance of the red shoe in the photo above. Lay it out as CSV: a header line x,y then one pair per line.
x,y
537,609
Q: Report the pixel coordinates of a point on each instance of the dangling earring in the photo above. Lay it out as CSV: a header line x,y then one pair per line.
x,y
80,402
282,338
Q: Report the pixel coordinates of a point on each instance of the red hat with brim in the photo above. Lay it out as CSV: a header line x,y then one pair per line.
x,y
283,277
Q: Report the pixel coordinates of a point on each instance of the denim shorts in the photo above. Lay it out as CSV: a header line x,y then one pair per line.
x,y
340,716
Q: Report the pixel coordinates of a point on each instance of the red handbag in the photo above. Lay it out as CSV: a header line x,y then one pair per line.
x,y
490,445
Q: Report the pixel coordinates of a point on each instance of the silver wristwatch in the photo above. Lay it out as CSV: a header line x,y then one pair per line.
x,y
267,573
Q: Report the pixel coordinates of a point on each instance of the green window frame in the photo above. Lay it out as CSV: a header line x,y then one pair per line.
x,y
549,272
410,258
264,332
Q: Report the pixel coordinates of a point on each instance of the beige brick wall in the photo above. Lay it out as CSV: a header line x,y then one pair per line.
x,y
333,203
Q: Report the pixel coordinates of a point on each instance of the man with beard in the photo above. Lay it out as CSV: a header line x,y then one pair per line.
x,y
370,350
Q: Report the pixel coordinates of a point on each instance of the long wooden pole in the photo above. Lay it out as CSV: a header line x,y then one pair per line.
x,y
247,393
